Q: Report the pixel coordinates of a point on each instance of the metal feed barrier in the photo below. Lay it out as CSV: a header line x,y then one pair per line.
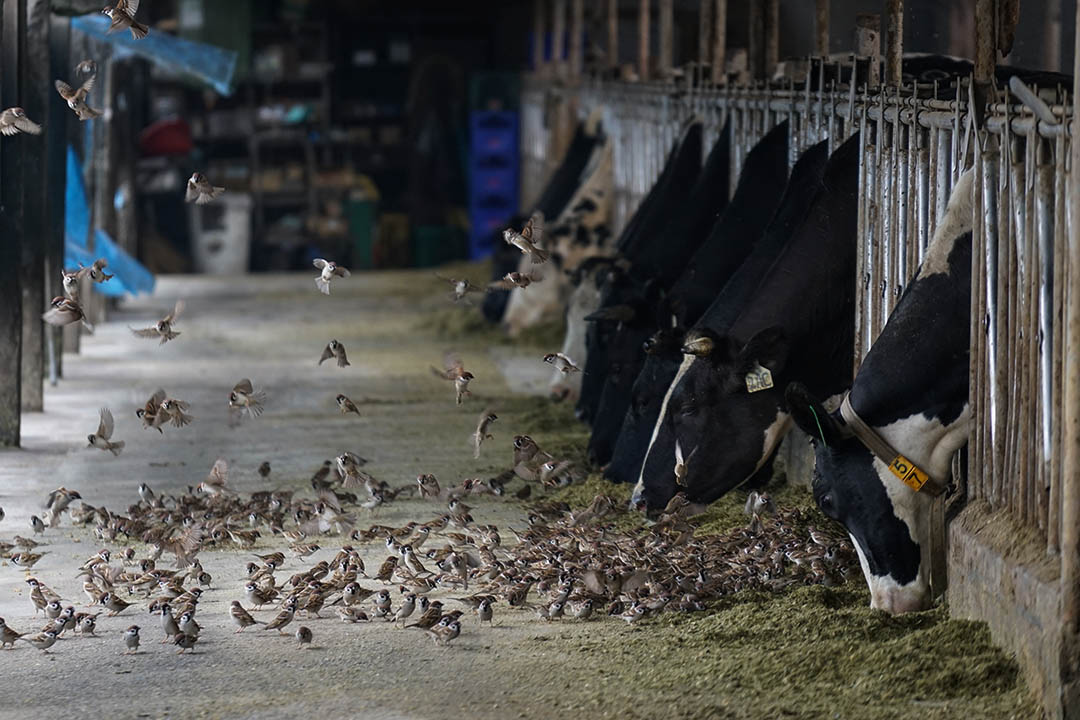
x,y
915,144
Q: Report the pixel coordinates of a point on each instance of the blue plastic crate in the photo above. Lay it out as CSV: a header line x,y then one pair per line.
x,y
493,182
486,222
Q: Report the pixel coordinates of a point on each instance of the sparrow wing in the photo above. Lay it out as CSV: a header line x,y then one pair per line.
x,y
244,386
327,353
341,272
66,91
27,125
145,332
128,6
177,309
534,229
105,427
502,284
454,366
86,87
192,193
319,263
219,473
155,401
342,358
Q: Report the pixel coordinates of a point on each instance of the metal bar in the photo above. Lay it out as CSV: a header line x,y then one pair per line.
x,y
988,183
719,51
1044,211
756,40
772,36
577,33
666,28
705,27
643,40
1053,516
985,56
868,43
821,28
613,33
894,41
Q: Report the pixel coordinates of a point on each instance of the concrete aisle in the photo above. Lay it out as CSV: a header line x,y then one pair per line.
x,y
271,329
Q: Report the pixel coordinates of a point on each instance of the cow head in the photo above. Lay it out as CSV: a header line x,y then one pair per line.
x,y
724,432
888,522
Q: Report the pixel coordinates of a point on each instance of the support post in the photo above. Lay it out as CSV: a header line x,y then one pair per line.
x,y
821,28
613,33
12,19
56,133
666,26
985,55
36,89
719,51
756,40
577,33
772,36
894,41
704,28
868,44
643,40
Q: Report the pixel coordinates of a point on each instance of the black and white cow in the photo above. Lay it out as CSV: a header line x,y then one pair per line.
x,y
664,350
637,246
912,390
723,410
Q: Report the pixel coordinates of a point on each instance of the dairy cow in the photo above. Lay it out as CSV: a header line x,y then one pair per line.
x,y
695,275
725,408
911,392
664,349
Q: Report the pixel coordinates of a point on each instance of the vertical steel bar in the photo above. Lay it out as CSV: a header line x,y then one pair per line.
x,y
666,28
613,33
558,37
772,36
1044,211
577,37
644,39
894,41
988,183
1053,518
719,52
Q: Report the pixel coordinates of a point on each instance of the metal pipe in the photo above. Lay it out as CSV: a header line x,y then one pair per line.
x,y
868,44
666,28
894,41
719,53
705,27
644,37
821,28
772,36
613,33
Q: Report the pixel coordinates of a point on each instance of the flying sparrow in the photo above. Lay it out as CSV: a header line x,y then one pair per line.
x,y
122,15
334,349
346,405
514,279
14,121
455,372
461,386
214,484
148,413
561,363
329,271
96,272
528,239
162,328
172,410
76,98
243,398
460,288
65,312
482,433
101,438
429,486
200,190
131,640
303,636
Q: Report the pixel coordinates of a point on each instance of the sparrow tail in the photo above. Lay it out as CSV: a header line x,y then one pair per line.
x,y
116,447
324,287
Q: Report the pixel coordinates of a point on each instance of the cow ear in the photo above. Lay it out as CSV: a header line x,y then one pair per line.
x,y
769,349
812,417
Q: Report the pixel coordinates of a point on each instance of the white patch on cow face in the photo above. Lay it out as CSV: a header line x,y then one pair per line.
x,y
930,445
957,221
684,367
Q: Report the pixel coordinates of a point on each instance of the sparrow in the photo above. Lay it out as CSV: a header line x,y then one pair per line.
x,y
241,617
184,641
303,551
131,640
760,503
187,624
53,608
460,288
635,613
87,624
264,469
443,634
354,593
454,372
7,635
555,475
382,602
162,328
329,271
352,615
482,433
243,398
148,413
284,617
461,386
346,405
584,610
483,611
42,641
168,622
86,67
25,559
65,312
96,272
430,616
562,363
334,349
100,439
516,279
214,484
429,486
529,238
76,98
14,121
200,191
259,596
122,15
114,604
681,463
303,636
37,524
172,410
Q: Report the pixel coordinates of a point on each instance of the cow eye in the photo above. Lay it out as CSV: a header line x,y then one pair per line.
x,y
827,505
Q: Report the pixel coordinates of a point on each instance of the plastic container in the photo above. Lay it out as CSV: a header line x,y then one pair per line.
x,y
221,234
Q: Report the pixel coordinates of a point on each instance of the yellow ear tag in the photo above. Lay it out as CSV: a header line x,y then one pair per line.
x,y
758,379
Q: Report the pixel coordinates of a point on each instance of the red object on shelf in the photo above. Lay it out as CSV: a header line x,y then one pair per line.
x,y
166,137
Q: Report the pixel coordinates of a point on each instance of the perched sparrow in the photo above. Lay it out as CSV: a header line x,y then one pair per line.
x,y
148,413
483,611
561,363
346,406
131,640
511,280
53,608
336,350
303,636
87,624
168,622
241,617
114,604
284,617
122,15
461,288
37,524
100,439
430,616
584,610
303,551
7,635
14,121
172,410
528,239
42,641
443,634
635,613
406,608
65,312
243,398
329,271
200,191
76,98
25,559
184,641
257,596
187,624
482,433
352,615
163,328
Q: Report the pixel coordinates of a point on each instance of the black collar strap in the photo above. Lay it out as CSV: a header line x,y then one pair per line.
x,y
908,472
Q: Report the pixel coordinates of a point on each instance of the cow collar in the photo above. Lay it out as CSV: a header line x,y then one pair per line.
x,y
909,473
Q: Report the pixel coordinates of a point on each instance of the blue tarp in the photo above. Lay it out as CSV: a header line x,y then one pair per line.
x,y
211,64
130,275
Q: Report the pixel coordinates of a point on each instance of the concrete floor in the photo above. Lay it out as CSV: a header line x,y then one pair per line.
x,y
271,329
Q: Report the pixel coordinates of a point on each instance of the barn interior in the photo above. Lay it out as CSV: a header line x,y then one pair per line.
x,y
540,358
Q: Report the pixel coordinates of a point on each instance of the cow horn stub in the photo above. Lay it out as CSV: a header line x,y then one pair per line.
x,y
697,344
